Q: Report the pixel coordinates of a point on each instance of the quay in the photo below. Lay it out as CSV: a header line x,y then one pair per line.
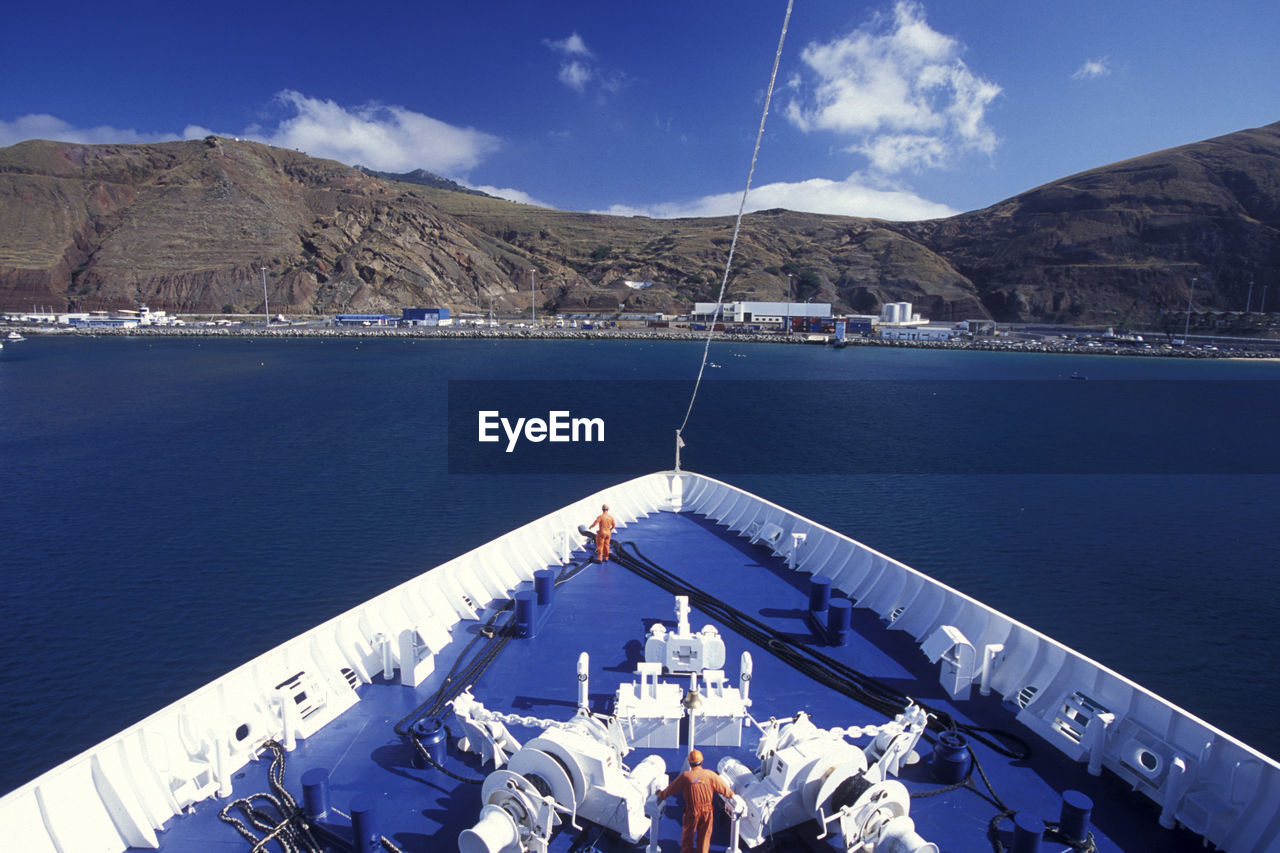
x,y
1254,349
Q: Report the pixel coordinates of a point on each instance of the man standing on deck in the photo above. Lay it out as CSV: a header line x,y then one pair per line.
x,y
605,523
699,788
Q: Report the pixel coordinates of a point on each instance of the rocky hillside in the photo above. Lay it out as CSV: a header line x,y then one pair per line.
x,y
188,226
1121,243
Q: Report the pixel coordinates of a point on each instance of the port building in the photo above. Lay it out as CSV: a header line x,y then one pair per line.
x,y
760,313
918,332
363,320
425,317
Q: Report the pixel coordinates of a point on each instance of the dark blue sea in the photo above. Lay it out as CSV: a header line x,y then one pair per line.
x,y
170,508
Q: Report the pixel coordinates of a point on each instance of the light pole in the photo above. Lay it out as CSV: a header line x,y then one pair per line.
x,y
533,299
1187,327
788,327
266,308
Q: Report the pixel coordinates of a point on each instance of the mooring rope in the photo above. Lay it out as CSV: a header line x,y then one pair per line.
x,y
737,227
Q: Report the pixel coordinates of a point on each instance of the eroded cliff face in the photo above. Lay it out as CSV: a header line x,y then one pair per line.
x,y
190,226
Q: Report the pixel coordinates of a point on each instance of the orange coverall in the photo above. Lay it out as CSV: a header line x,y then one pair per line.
x,y
699,787
606,524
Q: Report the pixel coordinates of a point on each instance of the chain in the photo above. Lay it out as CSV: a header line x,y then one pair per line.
x,y
517,720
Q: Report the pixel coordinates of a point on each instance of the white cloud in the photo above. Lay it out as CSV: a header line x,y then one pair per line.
x,y
571,46
1092,69
45,126
512,195
900,89
575,75
893,152
579,69
852,197
388,138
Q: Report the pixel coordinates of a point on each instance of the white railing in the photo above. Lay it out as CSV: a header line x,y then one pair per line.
x,y
123,791
1200,776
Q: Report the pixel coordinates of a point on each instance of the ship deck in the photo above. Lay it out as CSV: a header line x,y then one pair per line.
x,y
606,610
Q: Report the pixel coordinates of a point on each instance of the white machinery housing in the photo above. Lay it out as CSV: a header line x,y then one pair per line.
x,y
681,651
807,773
576,768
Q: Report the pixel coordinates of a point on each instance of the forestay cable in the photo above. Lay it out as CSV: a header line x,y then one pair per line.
x,y
737,226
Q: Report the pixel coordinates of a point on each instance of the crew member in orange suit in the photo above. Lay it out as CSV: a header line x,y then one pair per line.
x,y
699,788
605,523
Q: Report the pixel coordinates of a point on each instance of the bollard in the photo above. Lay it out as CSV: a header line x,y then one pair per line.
x,y
1027,832
1073,823
315,792
839,618
544,584
430,732
819,593
526,625
951,758
364,824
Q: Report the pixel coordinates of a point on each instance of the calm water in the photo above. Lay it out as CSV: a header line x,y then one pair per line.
x,y
171,508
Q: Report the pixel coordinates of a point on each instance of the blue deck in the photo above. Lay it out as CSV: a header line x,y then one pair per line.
x,y
605,610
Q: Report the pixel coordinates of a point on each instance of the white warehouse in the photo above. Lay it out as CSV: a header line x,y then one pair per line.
x,y
760,312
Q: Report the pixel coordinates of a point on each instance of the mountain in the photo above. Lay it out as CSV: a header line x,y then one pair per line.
x,y
189,226
422,177
1124,241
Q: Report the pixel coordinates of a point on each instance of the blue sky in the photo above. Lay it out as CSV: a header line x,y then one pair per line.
x,y
901,110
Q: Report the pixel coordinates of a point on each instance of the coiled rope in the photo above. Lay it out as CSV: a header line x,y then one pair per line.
x,y
277,815
737,227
